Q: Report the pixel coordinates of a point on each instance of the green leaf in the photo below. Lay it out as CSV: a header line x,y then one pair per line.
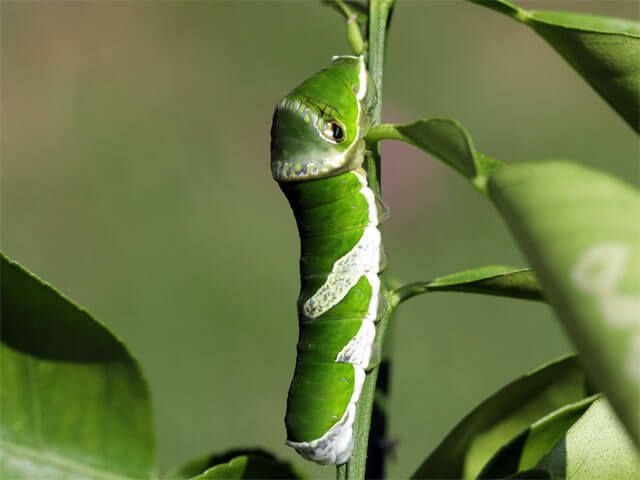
x,y
248,463
73,403
503,6
195,466
490,280
504,415
603,50
445,139
596,446
528,448
579,230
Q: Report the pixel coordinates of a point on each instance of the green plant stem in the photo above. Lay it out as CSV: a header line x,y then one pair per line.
x,y
385,131
379,444
379,13
355,469
354,35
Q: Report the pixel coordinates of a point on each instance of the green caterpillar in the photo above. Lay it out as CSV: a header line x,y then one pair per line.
x,y
317,152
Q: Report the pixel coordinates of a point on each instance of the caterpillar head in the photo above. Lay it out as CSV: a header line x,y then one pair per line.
x,y
318,128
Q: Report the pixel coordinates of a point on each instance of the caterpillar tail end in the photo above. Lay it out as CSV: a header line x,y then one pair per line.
x,y
335,446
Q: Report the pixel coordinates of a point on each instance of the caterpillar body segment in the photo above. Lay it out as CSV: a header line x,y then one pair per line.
x,y
317,151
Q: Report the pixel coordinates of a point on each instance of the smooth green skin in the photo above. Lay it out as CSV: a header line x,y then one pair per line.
x,y
295,143
235,464
328,96
525,450
333,87
603,50
321,388
489,280
73,402
596,446
317,252
346,213
304,195
557,211
318,397
501,417
331,335
331,214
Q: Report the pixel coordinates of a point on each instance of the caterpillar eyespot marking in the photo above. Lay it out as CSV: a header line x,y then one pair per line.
x,y
317,153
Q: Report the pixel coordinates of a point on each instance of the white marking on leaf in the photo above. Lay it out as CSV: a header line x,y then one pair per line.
x,y
598,272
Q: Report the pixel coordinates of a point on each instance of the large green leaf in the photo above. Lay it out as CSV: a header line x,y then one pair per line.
x,y
445,139
580,230
242,463
504,415
73,403
595,447
528,448
489,280
604,50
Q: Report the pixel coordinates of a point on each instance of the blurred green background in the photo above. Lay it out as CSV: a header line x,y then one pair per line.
x,y
135,178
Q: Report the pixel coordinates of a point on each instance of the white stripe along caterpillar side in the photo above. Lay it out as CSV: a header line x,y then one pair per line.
x,y
317,153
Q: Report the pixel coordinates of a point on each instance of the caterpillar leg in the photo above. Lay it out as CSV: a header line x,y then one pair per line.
x,y
375,359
